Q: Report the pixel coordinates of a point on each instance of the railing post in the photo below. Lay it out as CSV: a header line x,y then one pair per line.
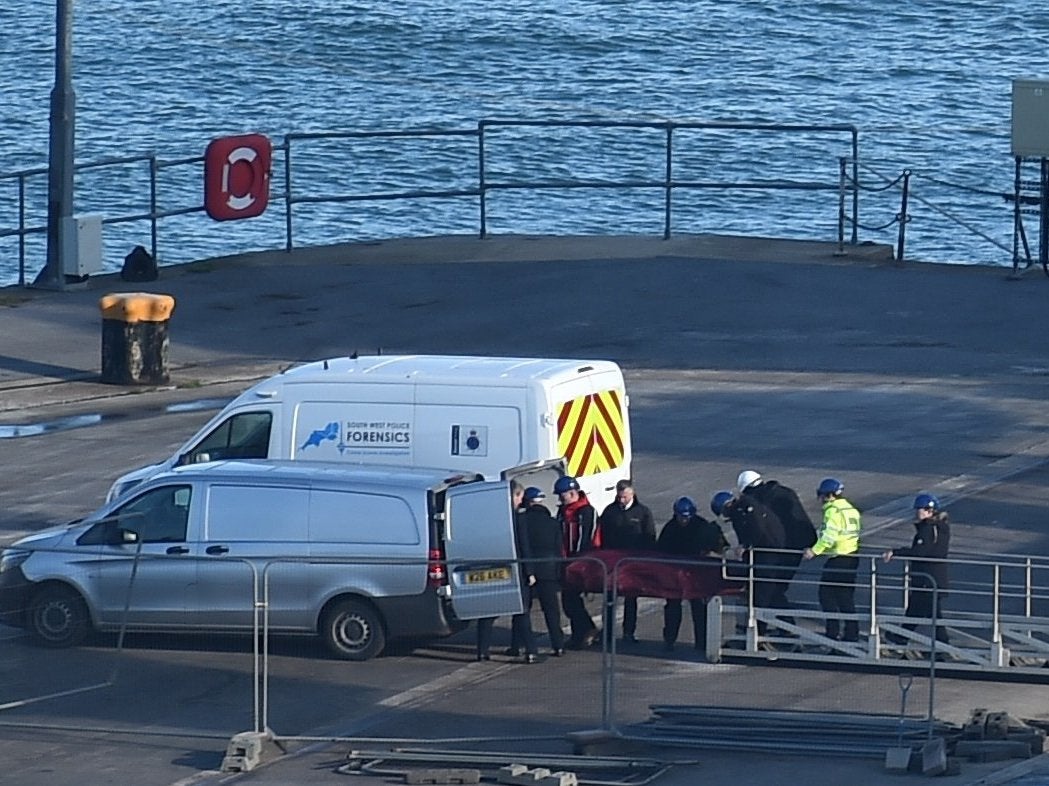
x,y
901,238
153,170
999,653
1043,215
855,186
668,180
288,242
1028,588
996,631
873,632
481,191
752,622
841,206
21,229
608,664
1017,219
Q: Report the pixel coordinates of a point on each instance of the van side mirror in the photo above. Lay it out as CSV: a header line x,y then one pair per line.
x,y
126,536
202,458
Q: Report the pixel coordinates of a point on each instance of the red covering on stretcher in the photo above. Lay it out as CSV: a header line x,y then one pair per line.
x,y
657,579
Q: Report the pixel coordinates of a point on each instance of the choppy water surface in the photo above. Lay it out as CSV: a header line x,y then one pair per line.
x,y
928,84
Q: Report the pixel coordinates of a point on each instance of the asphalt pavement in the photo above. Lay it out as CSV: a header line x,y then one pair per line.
x,y
785,356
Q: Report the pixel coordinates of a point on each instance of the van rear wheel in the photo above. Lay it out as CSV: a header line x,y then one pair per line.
x,y
353,630
58,617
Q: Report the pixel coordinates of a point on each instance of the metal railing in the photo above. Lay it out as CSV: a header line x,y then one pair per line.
x,y
485,184
993,619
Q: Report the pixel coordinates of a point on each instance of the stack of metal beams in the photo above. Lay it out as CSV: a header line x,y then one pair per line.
x,y
788,731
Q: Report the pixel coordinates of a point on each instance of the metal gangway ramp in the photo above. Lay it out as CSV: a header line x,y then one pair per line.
x,y
993,614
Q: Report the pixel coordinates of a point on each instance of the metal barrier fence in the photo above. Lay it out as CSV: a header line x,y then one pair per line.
x,y
311,163
993,618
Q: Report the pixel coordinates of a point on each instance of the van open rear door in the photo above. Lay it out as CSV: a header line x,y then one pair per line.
x,y
479,546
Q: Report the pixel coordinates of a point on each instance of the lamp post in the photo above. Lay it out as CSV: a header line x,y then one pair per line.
x,y
60,149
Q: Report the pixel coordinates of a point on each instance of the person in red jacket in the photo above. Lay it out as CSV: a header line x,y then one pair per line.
x,y
579,534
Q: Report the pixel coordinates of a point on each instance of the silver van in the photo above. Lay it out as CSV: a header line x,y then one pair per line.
x,y
356,554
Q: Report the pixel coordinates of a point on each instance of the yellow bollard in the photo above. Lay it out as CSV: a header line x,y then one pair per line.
x,y
135,338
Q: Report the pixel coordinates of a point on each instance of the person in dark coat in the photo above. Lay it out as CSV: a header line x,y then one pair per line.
x,y
797,526
688,534
578,521
544,540
520,624
929,576
756,528
628,525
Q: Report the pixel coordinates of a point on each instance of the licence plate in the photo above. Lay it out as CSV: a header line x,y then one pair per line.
x,y
487,575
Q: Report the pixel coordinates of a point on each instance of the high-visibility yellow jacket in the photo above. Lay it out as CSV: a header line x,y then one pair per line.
x,y
841,529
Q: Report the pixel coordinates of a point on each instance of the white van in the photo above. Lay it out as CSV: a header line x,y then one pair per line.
x,y
356,554
475,414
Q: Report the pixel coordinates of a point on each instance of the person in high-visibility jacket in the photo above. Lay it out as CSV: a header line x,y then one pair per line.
x,y
840,538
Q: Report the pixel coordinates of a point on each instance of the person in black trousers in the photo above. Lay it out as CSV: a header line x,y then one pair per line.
x,y
757,529
928,550
797,526
544,540
628,525
520,624
688,534
578,522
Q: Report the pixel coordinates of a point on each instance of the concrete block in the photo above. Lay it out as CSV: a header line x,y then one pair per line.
x,y
249,749
934,757
593,741
520,775
897,759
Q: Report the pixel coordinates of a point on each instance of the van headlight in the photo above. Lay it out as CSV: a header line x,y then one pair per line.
x,y
12,558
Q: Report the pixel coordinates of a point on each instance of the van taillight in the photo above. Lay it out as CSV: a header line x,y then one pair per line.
x,y
436,573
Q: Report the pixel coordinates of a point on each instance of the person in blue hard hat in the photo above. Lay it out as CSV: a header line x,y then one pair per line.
x,y
840,539
928,555
688,534
579,534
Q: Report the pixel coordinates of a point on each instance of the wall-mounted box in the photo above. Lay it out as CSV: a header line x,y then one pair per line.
x,y
81,245
1031,118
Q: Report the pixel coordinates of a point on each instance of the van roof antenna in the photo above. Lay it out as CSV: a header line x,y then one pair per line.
x,y
325,364
354,356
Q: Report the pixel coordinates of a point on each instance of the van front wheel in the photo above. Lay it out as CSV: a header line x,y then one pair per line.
x,y
58,617
353,630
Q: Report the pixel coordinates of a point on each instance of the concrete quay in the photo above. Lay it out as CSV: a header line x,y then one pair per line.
x,y
739,352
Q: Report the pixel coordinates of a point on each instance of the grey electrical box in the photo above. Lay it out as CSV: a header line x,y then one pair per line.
x,y
81,245
1031,118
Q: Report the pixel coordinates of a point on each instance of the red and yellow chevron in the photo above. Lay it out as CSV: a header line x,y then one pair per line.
x,y
590,432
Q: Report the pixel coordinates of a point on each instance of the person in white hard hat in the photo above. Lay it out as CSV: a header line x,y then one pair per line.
x,y
797,526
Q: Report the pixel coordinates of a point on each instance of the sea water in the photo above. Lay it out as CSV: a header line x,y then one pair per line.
x,y
927,82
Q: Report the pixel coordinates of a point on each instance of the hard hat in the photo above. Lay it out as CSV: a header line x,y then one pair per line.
x,y
830,486
684,506
747,478
926,502
566,483
533,493
719,500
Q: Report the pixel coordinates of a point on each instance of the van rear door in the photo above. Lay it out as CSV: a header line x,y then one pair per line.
x,y
479,546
